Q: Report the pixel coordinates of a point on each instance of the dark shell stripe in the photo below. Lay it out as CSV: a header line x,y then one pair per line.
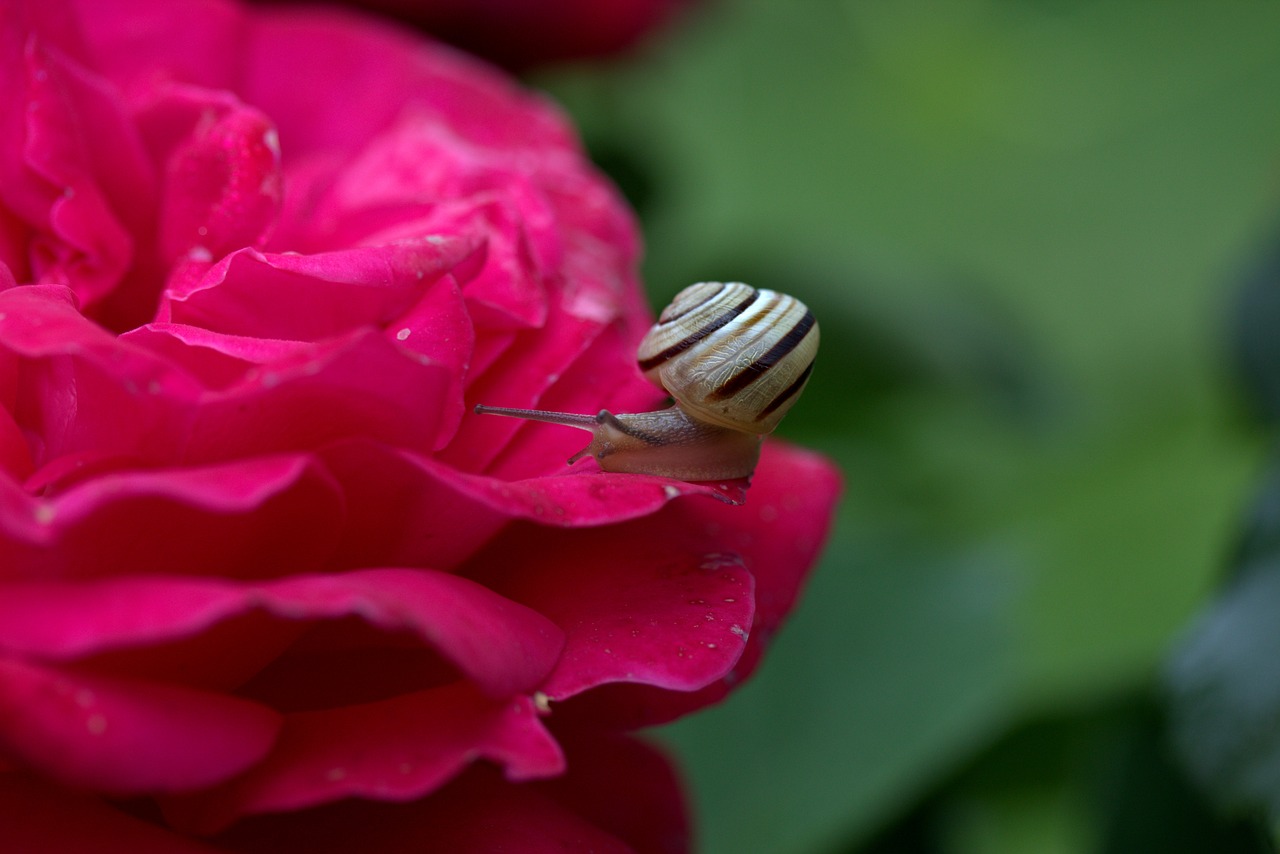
x,y
754,370
787,393
701,331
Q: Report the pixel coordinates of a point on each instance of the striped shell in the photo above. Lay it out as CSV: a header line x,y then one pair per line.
x,y
732,355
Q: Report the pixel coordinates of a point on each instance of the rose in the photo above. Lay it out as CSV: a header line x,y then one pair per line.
x,y
524,33
262,575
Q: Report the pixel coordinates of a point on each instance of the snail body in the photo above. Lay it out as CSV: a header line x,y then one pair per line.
x,y
733,358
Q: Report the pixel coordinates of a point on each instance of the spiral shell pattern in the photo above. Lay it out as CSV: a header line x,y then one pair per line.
x,y
731,354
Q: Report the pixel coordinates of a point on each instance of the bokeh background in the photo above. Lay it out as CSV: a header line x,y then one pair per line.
x,y
1025,228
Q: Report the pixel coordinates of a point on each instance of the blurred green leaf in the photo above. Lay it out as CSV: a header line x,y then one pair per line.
x,y
1096,780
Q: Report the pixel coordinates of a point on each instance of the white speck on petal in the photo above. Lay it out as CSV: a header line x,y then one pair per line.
x,y
45,513
403,334
541,702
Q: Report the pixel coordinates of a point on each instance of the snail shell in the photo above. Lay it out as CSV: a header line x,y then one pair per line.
x,y
734,358
731,354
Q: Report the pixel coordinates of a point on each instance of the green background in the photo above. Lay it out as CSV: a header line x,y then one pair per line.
x,y
1022,226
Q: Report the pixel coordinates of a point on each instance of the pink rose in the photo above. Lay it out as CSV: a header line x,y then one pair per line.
x,y
263,577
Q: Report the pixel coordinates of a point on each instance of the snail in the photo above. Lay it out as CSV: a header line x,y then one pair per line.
x,y
734,358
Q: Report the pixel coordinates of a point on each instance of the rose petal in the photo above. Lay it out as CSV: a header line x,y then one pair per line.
x,y
639,602
473,190
679,627
125,736
249,518
15,454
39,816
571,366
349,59
216,359
524,249
222,183
626,787
87,200
778,533
439,329
479,811
403,509
80,389
502,647
310,297
323,397
397,749
198,42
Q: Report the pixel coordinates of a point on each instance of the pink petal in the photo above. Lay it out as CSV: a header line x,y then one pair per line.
x,y
502,647
222,183
354,60
198,42
216,359
80,389
439,330
640,602
15,454
573,365
248,518
325,396
39,816
130,403
626,787
397,749
778,533
404,509
508,291
125,736
479,811
86,201
309,297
